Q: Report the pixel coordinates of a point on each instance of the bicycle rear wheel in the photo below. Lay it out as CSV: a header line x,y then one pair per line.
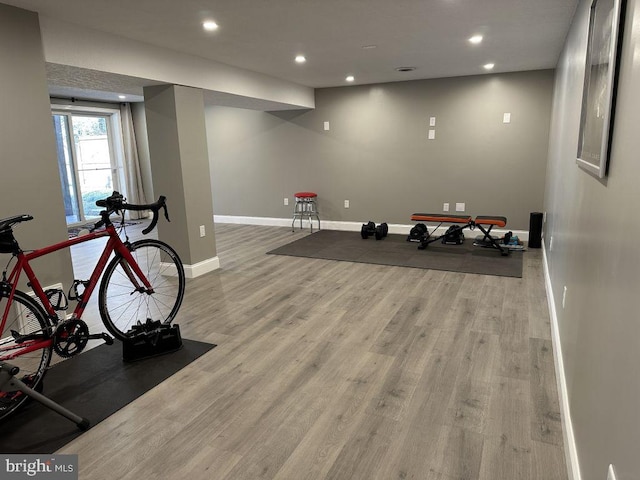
x,y
121,306
26,317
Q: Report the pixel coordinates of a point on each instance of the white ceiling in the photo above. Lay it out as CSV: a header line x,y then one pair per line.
x,y
265,35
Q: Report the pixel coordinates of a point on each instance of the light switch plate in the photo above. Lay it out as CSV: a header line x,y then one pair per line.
x,y
445,207
506,118
432,121
460,207
432,134
326,125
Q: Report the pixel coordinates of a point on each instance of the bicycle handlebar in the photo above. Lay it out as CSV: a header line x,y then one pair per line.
x,y
116,202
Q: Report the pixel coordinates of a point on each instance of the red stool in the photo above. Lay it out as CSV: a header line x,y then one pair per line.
x,y
305,207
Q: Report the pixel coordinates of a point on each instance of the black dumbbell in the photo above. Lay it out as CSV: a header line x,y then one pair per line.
x,y
370,229
382,230
417,233
367,229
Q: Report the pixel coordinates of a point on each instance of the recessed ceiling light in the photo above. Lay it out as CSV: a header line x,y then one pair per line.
x,y
489,66
210,25
405,69
476,39
350,78
122,97
300,59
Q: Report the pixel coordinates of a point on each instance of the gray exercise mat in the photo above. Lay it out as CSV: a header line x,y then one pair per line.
x,y
396,251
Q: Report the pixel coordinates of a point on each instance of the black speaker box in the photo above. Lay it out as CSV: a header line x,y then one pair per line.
x,y
535,230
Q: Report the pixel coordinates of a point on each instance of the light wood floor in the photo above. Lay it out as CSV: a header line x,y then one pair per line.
x,y
336,370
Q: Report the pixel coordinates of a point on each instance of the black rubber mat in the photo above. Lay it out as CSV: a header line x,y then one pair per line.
x,y
94,385
396,251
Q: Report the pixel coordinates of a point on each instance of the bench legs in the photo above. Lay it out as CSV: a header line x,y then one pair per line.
x,y
493,241
429,238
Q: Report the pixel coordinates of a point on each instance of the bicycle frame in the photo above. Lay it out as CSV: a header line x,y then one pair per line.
x,y
114,244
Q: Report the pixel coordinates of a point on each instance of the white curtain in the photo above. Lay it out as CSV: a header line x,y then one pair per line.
x,y
135,190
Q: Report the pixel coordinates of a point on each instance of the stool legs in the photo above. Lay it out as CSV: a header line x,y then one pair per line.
x,y
305,207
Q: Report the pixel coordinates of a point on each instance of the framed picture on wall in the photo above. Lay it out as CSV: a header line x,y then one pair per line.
x,y
600,78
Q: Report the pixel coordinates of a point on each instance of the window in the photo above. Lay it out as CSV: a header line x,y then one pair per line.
x,y
89,158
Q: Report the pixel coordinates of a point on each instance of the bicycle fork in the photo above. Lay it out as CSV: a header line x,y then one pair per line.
x,y
133,278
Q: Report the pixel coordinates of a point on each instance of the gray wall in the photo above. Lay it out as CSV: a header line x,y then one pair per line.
x,y
595,255
377,155
29,182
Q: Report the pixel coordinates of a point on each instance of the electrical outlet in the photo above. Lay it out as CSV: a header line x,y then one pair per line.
x,y
611,473
460,207
346,204
286,201
564,296
202,232
445,207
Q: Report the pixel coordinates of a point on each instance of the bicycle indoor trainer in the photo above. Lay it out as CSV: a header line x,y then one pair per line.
x,y
9,383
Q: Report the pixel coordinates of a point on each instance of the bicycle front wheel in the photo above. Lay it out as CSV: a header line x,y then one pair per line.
x,y
122,305
25,319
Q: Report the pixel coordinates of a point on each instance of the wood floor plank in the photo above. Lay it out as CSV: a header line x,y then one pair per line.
x,y
415,441
396,331
540,322
513,358
399,385
547,461
545,422
459,455
288,421
503,459
319,449
488,314
510,403
470,402
362,455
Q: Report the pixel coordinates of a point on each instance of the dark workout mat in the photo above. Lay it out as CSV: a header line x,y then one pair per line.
x,y
94,385
395,250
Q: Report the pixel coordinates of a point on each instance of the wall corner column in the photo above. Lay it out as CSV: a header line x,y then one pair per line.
x,y
180,170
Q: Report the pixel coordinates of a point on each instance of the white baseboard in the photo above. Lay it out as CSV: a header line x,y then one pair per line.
x,y
343,226
274,222
200,268
570,450
192,271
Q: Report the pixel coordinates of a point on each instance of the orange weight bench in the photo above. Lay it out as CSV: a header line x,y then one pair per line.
x,y
458,223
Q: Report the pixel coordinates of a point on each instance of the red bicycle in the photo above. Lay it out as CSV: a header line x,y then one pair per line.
x,y
143,280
